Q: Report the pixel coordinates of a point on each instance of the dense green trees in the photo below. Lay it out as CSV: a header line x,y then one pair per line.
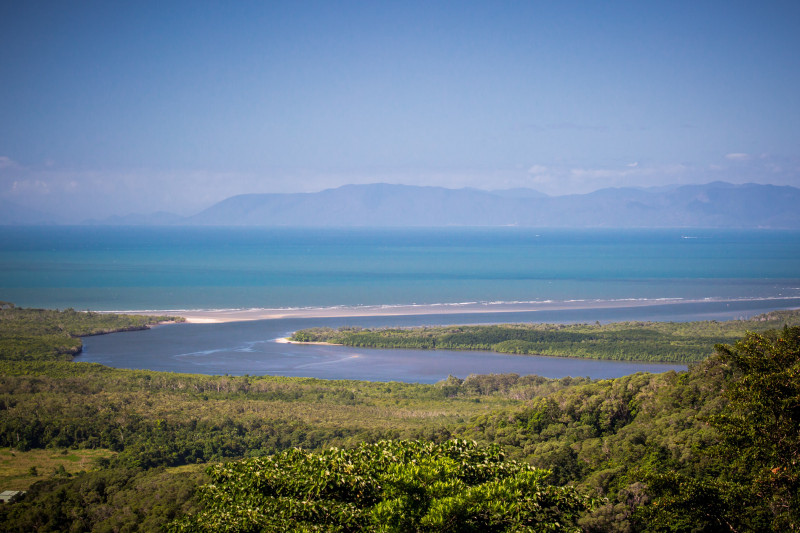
x,y
761,426
401,486
754,481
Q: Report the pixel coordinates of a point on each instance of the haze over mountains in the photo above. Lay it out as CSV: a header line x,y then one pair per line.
x,y
715,205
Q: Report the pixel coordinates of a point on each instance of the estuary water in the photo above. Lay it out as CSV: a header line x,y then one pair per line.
x,y
252,347
238,348
677,274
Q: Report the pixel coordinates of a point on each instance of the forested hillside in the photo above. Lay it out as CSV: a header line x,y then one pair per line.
x,y
712,449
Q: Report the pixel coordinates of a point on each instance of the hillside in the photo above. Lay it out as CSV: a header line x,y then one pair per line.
x,y
712,449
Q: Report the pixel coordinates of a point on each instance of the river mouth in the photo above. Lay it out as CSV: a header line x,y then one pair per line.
x,y
253,347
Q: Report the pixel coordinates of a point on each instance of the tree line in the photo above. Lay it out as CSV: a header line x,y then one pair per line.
x,y
674,342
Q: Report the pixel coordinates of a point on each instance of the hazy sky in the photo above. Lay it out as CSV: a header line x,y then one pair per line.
x,y
117,107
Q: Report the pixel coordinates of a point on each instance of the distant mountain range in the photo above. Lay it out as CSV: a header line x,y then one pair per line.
x,y
379,205
714,205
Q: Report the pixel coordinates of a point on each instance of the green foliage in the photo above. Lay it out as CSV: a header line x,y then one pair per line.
x,y
629,341
668,452
762,421
689,504
47,334
755,483
761,427
154,419
387,486
600,435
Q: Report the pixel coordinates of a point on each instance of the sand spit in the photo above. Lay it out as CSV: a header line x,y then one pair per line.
x,y
212,316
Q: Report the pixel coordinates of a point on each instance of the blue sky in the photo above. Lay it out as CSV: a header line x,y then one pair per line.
x,y
117,107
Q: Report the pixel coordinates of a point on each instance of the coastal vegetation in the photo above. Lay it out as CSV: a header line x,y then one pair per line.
x,y
48,334
715,448
673,342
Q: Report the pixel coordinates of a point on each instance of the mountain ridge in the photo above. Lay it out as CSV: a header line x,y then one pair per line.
x,y
717,204
714,205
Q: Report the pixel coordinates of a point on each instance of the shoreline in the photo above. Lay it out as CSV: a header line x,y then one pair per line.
x,y
287,340
216,316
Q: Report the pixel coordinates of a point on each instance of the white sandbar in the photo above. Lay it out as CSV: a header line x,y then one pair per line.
x,y
211,316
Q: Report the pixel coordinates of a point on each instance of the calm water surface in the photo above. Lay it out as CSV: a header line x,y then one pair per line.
x,y
238,348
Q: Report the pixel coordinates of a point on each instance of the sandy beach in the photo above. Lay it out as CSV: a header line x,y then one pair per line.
x,y
210,316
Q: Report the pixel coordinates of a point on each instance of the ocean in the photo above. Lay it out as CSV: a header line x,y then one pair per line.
x,y
182,268
603,275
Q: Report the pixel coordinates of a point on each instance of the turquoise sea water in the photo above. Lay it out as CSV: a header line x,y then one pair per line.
x,y
125,268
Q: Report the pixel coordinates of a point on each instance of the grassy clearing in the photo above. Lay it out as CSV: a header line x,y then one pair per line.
x,y
17,468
